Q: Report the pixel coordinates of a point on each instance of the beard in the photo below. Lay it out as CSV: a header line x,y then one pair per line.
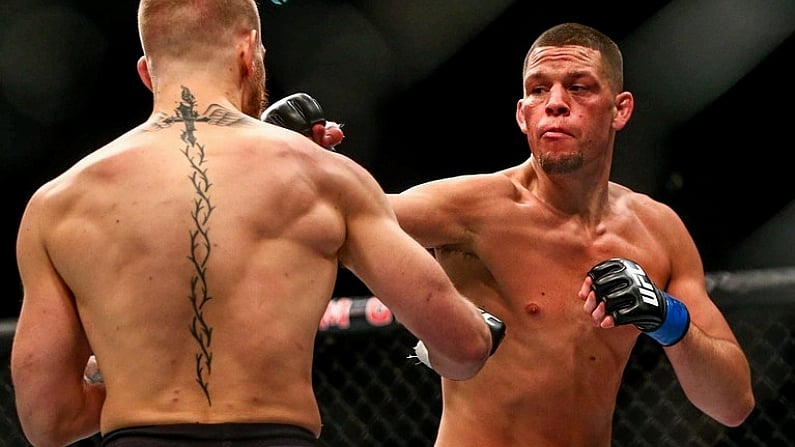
x,y
564,163
255,96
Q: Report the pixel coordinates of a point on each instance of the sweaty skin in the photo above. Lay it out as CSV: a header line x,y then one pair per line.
x,y
520,241
195,254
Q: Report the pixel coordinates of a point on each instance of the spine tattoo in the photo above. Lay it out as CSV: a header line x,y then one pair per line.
x,y
200,246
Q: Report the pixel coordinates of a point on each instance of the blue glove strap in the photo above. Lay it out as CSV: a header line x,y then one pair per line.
x,y
676,324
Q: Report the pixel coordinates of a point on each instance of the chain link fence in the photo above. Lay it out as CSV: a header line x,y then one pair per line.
x,y
371,395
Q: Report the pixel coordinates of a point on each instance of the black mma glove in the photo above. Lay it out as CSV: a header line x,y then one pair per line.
x,y
298,112
631,297
496,327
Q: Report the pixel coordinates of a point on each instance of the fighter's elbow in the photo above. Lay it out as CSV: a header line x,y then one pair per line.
x,y
42,437
465,371
55,436
54,428
44,441
472,359
740,411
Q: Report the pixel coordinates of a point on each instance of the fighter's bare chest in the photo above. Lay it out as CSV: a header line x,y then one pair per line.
x,y
537,260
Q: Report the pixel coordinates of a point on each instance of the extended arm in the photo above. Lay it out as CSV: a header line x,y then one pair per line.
x,y
415,287
435,312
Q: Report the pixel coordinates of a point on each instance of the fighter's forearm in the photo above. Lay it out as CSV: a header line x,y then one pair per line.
x,y
714,375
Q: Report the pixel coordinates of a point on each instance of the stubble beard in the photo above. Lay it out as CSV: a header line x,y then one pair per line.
x,y
561,163
256,99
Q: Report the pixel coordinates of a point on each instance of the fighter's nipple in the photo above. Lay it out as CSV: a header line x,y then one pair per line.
x,y
532,308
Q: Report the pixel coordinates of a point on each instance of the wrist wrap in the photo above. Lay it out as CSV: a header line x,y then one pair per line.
x,y
675,325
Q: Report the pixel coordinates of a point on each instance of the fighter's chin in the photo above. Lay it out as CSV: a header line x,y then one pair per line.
x,y
561,163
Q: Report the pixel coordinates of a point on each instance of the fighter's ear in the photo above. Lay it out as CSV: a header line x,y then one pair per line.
x,y
248,52
143,72
625,103
520,119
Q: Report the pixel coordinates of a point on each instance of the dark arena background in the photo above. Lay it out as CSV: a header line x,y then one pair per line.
x,y
428,90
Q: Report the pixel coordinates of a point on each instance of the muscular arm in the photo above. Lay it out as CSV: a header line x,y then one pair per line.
x,y
412,284
55,405
393,266
709,362
437,213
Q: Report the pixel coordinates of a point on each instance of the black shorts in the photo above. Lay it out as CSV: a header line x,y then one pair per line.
x,y
211,435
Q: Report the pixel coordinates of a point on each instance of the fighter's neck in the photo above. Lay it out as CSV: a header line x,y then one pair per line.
x,y
206,87
191,96
583,193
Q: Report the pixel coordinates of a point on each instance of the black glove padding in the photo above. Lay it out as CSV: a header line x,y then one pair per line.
x,y
298,112
497,328
629,294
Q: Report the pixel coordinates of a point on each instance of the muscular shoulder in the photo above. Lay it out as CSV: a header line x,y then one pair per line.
x,y
59,192
338,179
660,218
